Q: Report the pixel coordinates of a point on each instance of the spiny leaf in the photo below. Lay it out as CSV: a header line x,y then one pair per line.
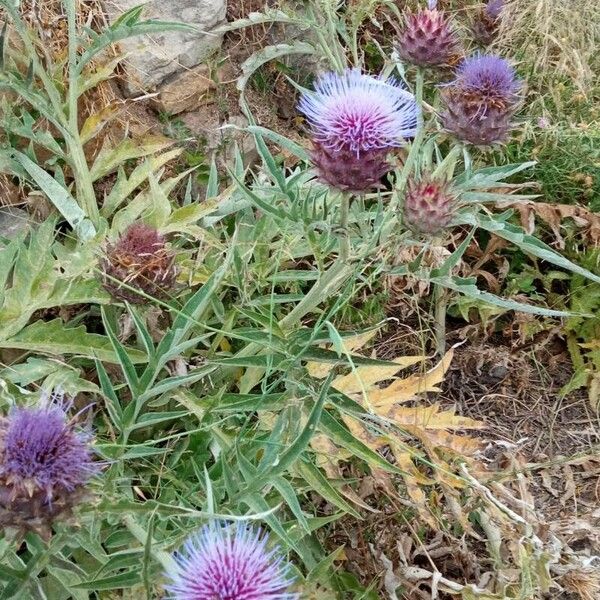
x,y
53,338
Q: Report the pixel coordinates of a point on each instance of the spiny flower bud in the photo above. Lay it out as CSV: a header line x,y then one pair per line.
x,y
229,562
480,103
427,38
355,119
428,205
486,24
141,260
45,463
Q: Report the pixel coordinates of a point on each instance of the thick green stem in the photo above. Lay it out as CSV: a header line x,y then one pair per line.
x,y
440,300
165,559
344,254
415,147
86,195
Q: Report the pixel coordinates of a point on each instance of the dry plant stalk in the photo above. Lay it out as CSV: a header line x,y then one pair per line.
x,y
558,37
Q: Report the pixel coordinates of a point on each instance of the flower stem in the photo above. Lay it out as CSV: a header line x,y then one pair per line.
x,y
440,300
415,147
344,233
86,196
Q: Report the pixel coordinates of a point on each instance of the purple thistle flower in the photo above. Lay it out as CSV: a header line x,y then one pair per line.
x,y
486,24
490,77
481,102
45,463
141,260
358,112
355,119
229,562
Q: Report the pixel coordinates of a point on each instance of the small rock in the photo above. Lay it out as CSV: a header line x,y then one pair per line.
x,y
153,58
186,91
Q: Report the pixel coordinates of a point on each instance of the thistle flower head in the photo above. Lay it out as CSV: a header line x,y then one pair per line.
x,y
486,24
227,562
427,38
488,77
140,260
428,205
140,239
45,461
359,113
481,102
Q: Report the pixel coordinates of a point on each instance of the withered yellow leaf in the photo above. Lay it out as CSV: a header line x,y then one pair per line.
x,y
318,370
356,342
363,378
413,481
430,418
402,390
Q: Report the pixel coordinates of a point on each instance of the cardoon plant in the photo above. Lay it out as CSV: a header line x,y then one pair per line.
x,y
428,205
355,120
486,24
481,101
229,562
427,38
45,463
141,260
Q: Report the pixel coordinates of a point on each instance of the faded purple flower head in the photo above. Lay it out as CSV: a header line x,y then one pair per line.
x,y
41,451
488,77
481,102
493,8
359,113
229,562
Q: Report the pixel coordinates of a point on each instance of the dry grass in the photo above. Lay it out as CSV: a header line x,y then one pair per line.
x,y
555,37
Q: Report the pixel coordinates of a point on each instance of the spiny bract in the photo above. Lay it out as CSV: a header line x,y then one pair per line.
x,y
427,38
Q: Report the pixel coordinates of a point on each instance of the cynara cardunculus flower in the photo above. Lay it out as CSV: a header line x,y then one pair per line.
x,y
141,260
45,462
229,562
486,24
428,205
427,38
355,119
481,101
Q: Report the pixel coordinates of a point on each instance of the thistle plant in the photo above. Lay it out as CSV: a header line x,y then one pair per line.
x,y
51,90
229,562
480,103
140,260
355,120
427,38
428,205
45,464
486,23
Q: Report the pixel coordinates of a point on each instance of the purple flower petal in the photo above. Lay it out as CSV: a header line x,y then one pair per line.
x,y
357,112
42,449
229,562
488,75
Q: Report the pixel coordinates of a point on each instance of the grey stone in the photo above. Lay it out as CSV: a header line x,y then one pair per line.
x,y
153,59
